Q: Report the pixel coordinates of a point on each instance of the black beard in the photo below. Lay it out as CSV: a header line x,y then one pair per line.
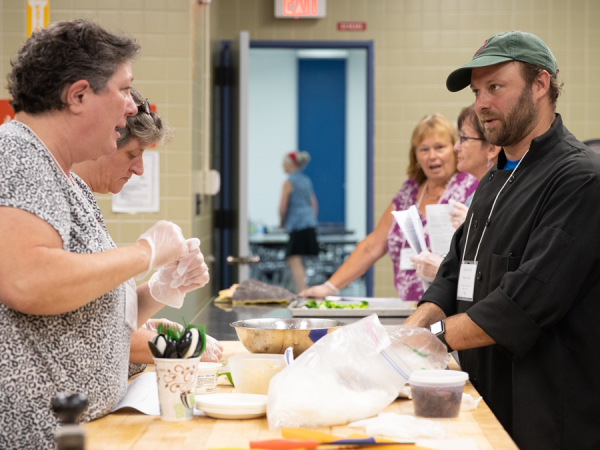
x,y
515,125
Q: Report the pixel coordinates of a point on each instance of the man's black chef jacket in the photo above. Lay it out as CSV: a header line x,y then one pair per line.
x,y
537,293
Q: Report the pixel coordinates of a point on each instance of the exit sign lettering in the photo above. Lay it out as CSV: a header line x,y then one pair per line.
x,y
299,9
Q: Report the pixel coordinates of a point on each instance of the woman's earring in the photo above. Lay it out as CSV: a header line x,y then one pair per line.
x,y
488,164
419,165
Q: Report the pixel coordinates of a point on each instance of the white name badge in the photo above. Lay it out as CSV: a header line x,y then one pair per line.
x,y
405,255
131,304
466,281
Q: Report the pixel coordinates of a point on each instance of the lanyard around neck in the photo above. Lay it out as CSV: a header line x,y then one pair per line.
x,y
490,214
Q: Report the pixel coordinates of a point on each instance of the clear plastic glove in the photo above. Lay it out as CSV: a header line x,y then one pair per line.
x,y
320,291
458,214
426,264
152,324
213,351
167,243
170,284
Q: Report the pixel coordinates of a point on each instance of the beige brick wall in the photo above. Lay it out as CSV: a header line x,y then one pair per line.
x,y
417,44
164,73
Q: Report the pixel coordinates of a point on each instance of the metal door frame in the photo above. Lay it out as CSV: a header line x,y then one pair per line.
x,y
369,46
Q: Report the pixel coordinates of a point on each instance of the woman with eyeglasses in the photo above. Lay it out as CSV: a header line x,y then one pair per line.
x,y
433,179
475,156
109,174
66,319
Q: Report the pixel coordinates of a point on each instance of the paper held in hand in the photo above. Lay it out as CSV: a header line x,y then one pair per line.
x,y
410,224
439,225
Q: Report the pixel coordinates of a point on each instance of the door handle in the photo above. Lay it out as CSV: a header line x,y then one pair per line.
x,y
243,259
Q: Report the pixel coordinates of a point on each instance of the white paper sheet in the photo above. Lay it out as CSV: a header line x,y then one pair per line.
x,y
449,444
141,194
439,225
406,254
412,227
142,394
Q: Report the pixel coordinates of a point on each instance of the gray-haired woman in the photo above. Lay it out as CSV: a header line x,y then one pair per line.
x,y
63,310
109,174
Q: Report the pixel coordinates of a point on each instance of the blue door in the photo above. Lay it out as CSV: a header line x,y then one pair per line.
x,y
322,132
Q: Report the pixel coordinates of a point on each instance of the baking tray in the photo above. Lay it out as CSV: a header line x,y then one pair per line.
x,y
383,307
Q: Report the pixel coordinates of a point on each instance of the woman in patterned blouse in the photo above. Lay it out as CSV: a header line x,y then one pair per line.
x,y
66,321
432,179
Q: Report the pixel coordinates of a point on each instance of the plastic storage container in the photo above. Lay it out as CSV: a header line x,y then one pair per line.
x,y
252,372
437,393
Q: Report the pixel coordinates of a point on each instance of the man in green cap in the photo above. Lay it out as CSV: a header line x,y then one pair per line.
x,y
519,292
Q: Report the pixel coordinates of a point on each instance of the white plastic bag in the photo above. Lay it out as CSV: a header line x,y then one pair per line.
x,y
347,375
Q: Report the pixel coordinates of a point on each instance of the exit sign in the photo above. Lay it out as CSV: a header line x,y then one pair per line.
x,y
299,9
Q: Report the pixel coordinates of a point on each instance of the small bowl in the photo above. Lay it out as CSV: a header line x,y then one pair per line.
x,y
437,393
275,335
252,372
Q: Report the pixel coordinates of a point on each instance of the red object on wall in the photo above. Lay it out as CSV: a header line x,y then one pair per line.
x,y
300,8
352,26
6,111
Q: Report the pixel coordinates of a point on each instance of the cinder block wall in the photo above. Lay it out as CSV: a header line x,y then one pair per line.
x,y
170,72
417,44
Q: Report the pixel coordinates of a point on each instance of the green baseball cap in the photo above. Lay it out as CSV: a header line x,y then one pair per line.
x,y
506,46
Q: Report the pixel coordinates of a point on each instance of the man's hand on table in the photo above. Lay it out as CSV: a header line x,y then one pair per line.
x,y
461,332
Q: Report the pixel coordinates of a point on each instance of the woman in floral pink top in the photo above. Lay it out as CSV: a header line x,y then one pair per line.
x,y
433,179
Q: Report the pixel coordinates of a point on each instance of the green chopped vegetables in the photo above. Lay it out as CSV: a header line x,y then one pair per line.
x,y
327,304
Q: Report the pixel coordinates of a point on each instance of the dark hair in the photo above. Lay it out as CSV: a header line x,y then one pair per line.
x,y
147,128
530,71
60,55
469,115
431,125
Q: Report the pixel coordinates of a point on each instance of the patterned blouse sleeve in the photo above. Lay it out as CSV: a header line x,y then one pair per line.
x,y
33,186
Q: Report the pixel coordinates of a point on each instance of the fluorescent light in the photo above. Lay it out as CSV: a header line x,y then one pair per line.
x,y
322,53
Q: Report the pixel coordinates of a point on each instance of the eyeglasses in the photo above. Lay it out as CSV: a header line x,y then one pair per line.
x,y
463,139
144,107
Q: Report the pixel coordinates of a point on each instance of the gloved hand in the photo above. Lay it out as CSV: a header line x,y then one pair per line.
x,y
458,214
170,284
152,324
320,291
213,351
426,264
167,243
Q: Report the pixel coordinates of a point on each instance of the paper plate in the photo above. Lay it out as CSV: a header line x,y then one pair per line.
x,y
233,406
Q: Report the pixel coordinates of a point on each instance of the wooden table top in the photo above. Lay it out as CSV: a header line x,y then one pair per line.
x,y
133,430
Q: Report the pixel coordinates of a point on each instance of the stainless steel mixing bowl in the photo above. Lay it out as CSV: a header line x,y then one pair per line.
x,y
275,335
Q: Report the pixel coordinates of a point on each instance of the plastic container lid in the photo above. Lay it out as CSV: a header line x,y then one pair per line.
x,y
438,378
233,406
204,367
257,359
